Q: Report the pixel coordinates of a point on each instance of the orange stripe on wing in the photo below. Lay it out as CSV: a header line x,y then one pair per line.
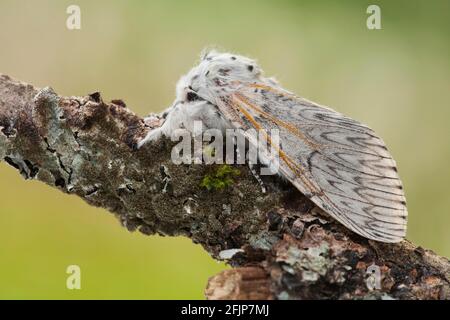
x,y
291,128
298,171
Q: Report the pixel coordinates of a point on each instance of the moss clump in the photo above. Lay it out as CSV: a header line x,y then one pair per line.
x,y
221,179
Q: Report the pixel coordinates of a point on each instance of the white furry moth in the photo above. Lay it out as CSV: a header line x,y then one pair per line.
x,y
339,163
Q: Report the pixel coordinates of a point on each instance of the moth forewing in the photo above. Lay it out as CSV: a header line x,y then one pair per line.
x,y
339,163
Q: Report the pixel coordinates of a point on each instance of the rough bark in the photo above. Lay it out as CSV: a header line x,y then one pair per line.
x,y
289,249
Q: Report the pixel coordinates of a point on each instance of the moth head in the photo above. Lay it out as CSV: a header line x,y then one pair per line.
x,y
185,88
216,70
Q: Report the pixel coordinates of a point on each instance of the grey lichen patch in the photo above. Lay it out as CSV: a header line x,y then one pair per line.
x,y
47,114
226,209
313,262
26,168
166,179
189,205
57,138
284,295
3,144
376,295
263,240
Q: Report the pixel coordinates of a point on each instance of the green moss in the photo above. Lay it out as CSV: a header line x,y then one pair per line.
x,y
221,179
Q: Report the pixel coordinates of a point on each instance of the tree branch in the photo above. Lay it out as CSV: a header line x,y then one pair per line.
x,y
288,248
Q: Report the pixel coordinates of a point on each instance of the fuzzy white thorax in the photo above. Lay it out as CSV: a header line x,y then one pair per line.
x,y
194,100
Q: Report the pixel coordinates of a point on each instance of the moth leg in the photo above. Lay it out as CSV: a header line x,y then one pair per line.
x,y
175,116
251,167
257,177
153,135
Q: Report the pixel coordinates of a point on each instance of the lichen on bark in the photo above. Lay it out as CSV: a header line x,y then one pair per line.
x,y
283,247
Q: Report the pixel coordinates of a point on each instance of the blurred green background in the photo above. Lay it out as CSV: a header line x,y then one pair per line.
x,y
396,80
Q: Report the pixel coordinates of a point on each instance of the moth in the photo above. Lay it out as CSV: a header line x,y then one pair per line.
x,y
339,163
